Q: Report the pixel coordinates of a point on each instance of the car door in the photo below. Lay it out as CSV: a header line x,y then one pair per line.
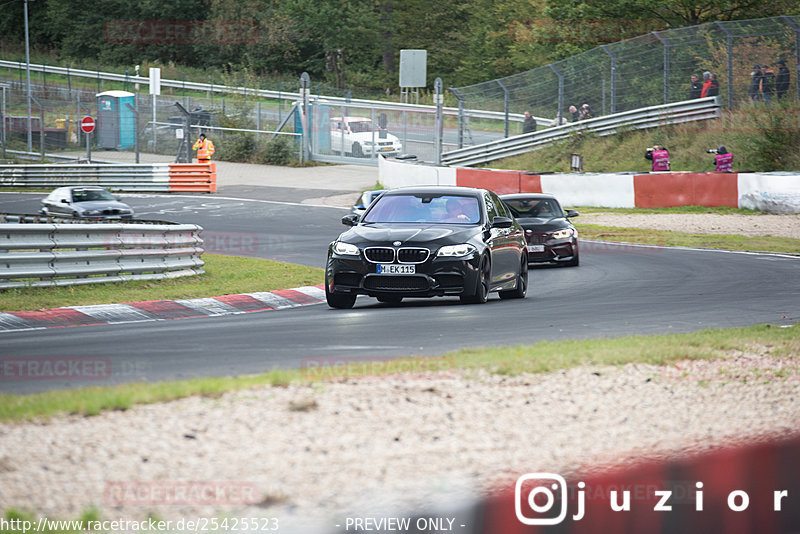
x,y
501,243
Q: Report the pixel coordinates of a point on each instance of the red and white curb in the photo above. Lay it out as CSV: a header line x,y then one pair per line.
x,y
159,310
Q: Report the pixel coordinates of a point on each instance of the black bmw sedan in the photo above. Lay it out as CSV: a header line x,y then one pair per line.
x,y
550,234
427,242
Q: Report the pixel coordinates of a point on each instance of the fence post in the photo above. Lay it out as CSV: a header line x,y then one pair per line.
x,y
666,65
613,78
460,117
439,122
136,126
560,93
305,88
796,30
505,105
730,61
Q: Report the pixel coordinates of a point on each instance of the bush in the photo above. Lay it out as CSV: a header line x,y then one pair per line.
x,y
278,151
237,147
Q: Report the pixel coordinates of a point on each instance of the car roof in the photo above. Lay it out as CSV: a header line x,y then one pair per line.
x,y
515,196
74,187
438,190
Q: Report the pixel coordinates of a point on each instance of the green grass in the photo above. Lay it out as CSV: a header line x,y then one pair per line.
x,y
682,239
542,357
224,275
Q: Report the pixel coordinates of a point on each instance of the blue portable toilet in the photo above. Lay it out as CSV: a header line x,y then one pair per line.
x,y
115,121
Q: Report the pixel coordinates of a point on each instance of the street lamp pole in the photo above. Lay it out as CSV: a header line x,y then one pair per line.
x,y
28,80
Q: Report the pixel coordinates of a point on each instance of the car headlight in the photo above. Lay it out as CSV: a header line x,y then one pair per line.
x,y
93,212
562,234
456,251
345,249
368,143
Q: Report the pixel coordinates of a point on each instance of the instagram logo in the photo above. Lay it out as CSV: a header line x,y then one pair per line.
x,y
537,493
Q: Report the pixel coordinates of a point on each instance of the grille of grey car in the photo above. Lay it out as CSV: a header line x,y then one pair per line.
x,y
379,254
413,255
396,283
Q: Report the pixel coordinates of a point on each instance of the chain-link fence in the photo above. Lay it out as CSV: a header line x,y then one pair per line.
x,y
650,70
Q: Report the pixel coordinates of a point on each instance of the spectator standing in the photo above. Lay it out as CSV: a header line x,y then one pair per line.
x,y
767,83
782,80
575,115
754,92
713,89
696,88
659,156
529,124
586,112
204,148
706,84
723,160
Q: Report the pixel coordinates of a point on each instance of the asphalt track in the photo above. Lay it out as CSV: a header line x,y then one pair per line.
x,y
617,290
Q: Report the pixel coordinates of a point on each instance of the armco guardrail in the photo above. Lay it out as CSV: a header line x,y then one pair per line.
x,y
64,252
174,177
690,110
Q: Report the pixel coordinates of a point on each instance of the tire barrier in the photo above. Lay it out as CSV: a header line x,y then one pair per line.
x,y
176,177
63,252
777,192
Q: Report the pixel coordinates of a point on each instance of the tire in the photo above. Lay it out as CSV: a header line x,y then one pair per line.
x,y
522,283
358,152
341,302
576,260
390,299
481,294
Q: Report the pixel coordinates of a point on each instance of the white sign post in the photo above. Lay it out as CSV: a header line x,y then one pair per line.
x,y
155,90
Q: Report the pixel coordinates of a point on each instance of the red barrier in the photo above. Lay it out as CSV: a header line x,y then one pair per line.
x,y
686,189
530,183
501,182
193,177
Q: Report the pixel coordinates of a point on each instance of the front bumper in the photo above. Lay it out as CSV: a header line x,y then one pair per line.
x,y
553,251
435,277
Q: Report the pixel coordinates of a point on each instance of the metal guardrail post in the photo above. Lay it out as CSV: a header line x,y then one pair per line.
x,y
796,29
730,61
613,78
560,93
439,122
505,105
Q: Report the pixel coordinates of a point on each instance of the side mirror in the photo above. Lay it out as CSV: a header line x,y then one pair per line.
x,y
572,213
350,220
64,201
502,222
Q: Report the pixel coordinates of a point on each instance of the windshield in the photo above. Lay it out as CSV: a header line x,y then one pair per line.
x,y
360,126
523,208
419,208
84,195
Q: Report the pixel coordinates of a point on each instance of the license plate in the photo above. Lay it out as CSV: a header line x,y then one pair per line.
x,y
386,149
535,248
396,269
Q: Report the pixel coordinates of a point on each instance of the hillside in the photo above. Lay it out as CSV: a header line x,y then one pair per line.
x,y
760,138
